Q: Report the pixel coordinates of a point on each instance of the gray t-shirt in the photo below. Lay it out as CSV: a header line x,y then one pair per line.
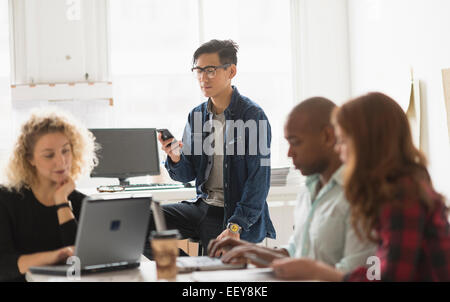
x,y
214,184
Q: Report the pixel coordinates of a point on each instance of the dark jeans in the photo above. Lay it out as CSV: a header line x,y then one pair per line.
x,y
192,220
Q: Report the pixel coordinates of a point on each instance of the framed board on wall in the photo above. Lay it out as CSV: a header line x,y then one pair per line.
x,y
60,44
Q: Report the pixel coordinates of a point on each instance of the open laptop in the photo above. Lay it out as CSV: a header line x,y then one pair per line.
x,y
191,264
111,236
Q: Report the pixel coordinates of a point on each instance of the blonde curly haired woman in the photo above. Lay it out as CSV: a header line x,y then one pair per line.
x,y
39,205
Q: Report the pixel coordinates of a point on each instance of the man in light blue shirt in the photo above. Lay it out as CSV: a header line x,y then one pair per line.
x,y
322,226
322,217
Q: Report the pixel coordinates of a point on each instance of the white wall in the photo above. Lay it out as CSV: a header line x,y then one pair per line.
x,y
387,38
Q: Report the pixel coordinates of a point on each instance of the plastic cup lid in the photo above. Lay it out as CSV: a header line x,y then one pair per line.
x,y
168,234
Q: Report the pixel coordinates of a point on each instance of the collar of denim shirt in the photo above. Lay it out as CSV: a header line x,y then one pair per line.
x,y
231,107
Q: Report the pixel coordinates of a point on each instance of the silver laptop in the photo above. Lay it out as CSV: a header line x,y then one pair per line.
x,y
191,264
111,235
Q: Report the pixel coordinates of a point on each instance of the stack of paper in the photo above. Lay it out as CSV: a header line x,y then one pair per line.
x,y
278,176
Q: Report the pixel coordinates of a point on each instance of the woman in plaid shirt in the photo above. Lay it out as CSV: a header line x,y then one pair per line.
x,y
392,199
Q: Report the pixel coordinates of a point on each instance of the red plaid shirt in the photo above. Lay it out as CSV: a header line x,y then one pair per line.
x,y
414,244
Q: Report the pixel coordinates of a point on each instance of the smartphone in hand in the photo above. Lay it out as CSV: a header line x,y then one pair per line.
x,y
165,135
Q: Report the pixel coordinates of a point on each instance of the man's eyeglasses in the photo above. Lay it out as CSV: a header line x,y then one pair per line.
x,y
209,70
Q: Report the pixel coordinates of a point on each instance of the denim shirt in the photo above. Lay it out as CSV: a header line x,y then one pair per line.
x,y
246,165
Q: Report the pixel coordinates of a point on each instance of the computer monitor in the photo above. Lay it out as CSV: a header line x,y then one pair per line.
x,y
126,153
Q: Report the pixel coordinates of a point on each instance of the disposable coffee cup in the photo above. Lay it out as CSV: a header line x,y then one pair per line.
x,y
165,252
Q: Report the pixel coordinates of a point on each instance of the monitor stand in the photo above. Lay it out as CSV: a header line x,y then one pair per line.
x,y
124,181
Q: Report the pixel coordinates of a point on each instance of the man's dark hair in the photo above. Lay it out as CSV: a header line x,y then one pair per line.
x,y
226,49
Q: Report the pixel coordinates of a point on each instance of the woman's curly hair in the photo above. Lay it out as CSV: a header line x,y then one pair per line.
x,y
19,171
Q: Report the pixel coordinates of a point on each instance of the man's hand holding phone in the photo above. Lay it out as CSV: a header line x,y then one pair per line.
x,y
170,145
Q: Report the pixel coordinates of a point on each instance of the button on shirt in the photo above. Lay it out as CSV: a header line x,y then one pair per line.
x,y
322,226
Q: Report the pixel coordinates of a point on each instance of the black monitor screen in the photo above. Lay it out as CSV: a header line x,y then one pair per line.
x,y
126,152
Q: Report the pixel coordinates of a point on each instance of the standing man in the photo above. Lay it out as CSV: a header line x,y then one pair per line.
x,y
226,150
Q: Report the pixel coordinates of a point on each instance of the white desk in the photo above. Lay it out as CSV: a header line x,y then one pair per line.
x,y
146,272
276,193
166,195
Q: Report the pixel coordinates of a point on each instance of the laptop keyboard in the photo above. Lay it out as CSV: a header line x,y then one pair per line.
x,y
198,261
139,187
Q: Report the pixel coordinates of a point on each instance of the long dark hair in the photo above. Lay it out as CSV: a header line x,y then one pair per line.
x,y
382,155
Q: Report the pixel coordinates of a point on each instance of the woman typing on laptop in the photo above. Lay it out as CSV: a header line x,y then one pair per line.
x,y
39,205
